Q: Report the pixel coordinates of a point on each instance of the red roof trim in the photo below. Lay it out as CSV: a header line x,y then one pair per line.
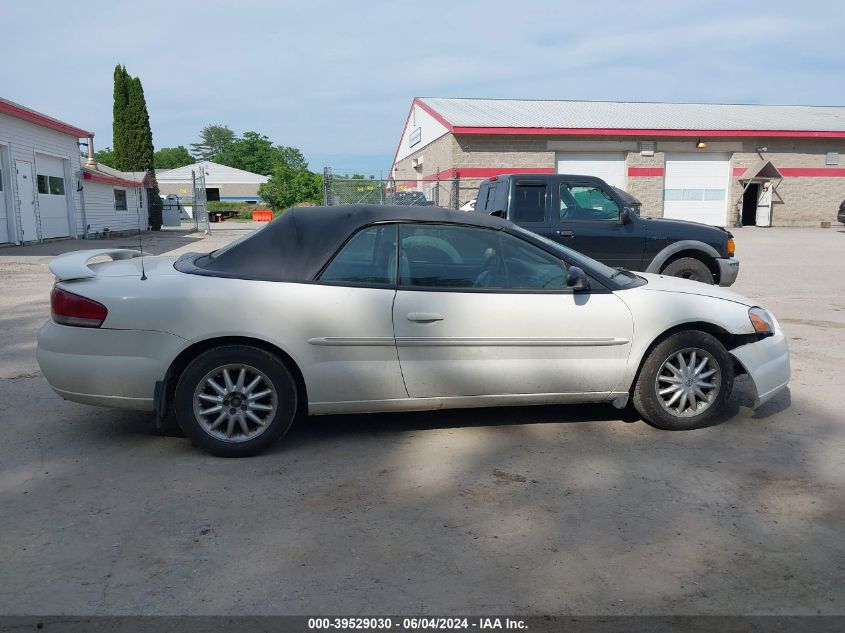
x,y
558,131
87,175
435,115
42,119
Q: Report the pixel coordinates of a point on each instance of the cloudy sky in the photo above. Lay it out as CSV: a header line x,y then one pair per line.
x,y
336,79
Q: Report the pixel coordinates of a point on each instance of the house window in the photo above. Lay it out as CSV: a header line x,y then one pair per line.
x,y
140,199
120,199
51,185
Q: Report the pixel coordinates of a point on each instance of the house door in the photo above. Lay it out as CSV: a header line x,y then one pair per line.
x,y
26,201
749,205
4,214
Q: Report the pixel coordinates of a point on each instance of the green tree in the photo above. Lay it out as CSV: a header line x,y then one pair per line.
x,y
213,141
288,187
252,152
121,101
104,156
172,157
133,138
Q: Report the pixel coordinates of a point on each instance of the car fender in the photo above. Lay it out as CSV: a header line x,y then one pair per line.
x,y
676,247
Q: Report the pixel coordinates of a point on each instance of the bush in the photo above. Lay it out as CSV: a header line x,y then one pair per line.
x,y
243,209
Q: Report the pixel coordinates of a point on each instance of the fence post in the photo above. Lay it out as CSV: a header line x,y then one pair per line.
x,y
327,185
456,183
437,189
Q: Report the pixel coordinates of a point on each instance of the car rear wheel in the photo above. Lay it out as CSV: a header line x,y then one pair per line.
x,y
684,382
235,400
689,268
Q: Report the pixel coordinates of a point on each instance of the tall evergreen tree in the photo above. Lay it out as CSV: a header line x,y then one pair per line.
x,y
121,100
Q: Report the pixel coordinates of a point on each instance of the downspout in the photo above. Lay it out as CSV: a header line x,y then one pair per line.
x,y
91,163
82,201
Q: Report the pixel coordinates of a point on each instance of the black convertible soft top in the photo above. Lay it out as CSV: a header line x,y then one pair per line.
x,y
296,246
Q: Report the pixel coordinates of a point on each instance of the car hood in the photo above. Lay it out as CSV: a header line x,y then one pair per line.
x,y
686,226
663,283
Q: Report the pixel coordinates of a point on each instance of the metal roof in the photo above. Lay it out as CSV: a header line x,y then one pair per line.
x,y
526,113
27,114
214,173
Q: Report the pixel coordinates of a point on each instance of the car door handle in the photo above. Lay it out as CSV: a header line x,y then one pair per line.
x,y
565,233
425,317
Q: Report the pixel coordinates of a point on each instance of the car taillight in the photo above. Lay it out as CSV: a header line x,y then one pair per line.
x,y
70,309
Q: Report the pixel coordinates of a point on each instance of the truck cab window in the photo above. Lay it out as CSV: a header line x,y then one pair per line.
x,y
529,203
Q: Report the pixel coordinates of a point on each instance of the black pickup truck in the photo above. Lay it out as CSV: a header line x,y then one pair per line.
x,y
603,222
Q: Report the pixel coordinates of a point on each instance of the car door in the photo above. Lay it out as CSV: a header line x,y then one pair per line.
x,y
589,219
352,353
482,312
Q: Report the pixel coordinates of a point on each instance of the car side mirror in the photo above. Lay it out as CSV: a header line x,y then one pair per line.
x,y
577,279
627,215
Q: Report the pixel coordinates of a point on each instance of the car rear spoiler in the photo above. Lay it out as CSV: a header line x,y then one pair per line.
x,y
75,265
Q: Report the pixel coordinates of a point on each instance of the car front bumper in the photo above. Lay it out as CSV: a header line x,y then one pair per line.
x,y
767,364
107,368
728,270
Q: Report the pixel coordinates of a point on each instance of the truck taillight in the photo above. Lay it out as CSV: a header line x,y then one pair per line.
x,y
70,309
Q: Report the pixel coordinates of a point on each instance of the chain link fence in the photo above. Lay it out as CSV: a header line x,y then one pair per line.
x,y
452,193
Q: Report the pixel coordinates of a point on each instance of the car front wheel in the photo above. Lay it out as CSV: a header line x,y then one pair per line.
x,y
235,400
684,382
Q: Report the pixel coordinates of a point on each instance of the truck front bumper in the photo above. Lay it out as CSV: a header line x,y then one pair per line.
x,y
728,270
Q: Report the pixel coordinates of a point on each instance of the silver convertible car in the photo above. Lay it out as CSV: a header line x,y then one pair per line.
x,y
370,308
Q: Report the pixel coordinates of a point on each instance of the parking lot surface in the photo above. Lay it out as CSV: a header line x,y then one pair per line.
x,y
562,510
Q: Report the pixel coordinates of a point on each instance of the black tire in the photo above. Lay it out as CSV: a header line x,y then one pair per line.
x,y
277,422
689,268
650,404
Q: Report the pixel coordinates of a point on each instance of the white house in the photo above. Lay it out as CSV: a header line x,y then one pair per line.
x,y
113,200
44,191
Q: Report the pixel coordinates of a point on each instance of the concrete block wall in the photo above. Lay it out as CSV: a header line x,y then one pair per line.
x,y
647,189
802,201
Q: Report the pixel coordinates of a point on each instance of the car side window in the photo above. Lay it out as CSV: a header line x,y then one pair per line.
x,y
587,203
462,257
369,258
529,203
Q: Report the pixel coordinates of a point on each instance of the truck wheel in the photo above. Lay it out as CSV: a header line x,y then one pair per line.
x,y
689,268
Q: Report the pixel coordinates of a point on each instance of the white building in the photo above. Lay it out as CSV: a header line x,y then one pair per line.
x,y
221,182
44,191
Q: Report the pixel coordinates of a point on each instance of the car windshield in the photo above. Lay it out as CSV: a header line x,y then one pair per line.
x,y
620,276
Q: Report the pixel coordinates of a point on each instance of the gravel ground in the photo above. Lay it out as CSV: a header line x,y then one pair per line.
x,y
564,510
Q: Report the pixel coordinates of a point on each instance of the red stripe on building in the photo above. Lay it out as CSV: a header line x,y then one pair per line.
x,y
812,172
41,119
542,131
434,114
486,172
645,171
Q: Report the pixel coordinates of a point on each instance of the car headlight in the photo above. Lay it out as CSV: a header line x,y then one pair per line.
x,y
761,321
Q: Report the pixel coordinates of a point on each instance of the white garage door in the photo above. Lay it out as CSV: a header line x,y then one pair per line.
x,y
609,166
52,196
696,187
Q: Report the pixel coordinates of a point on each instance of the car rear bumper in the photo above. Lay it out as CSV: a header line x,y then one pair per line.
x,y
108,368
728,270
767,364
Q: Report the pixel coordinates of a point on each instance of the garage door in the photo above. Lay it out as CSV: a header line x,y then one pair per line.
x,y
696,187
609,166
52,196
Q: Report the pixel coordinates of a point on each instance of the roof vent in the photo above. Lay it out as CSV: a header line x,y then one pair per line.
x,y
646,148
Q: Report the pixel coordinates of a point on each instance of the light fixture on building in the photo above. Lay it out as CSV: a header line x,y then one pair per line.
x,y
700,144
